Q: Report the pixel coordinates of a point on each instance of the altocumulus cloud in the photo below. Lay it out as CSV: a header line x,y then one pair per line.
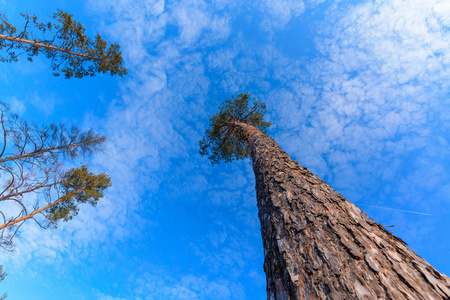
x,y
374,105
160,286
370,104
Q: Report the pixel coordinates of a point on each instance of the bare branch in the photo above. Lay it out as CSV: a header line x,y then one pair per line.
x,y
4,133
31,163
41,151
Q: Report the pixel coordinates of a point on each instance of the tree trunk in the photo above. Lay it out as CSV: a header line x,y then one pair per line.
x,y
318,245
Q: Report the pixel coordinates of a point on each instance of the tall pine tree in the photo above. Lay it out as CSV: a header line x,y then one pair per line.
x,y
317,245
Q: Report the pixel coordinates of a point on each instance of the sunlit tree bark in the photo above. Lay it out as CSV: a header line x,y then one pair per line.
x,y
318,245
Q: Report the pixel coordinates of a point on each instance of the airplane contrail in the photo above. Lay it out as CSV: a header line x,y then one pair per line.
x,y
407,211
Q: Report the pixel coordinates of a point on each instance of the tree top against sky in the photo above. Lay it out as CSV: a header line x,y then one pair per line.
x,y
223,140
364,111
35,182
64,42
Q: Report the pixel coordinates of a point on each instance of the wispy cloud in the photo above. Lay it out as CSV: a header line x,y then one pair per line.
x,y
279,12
374,82
371,104
161,286
399,210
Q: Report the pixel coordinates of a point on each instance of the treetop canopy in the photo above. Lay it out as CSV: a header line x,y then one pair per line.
x,y
64,42
224,139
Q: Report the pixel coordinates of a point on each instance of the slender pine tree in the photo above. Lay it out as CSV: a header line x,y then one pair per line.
x,y
64,42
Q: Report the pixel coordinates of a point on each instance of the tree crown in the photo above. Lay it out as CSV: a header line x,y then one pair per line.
x,y
64,42
224,139
78,186
34,182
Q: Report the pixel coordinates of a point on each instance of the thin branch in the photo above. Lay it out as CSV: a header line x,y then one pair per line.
x,y
5,198
34,153
232,115
4,134
251,112
226,137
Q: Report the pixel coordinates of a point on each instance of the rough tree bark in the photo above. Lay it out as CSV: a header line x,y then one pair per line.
x,y
318,245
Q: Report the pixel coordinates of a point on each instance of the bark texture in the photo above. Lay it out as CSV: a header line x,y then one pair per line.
x,y
318,245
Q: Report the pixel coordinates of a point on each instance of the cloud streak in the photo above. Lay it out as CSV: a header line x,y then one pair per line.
x,y
400,210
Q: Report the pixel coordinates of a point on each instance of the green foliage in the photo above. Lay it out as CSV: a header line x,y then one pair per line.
x,y
79,186
224,139
65,43
32,159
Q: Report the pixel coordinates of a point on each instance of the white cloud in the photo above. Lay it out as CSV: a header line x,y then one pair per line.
x,y
200,22
354,110
191,20
135,25
442,12
162,286
101,296
280,12
314,2
386,72
144,132
17,106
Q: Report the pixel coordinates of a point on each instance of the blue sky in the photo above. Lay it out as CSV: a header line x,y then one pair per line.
x,y
358,92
